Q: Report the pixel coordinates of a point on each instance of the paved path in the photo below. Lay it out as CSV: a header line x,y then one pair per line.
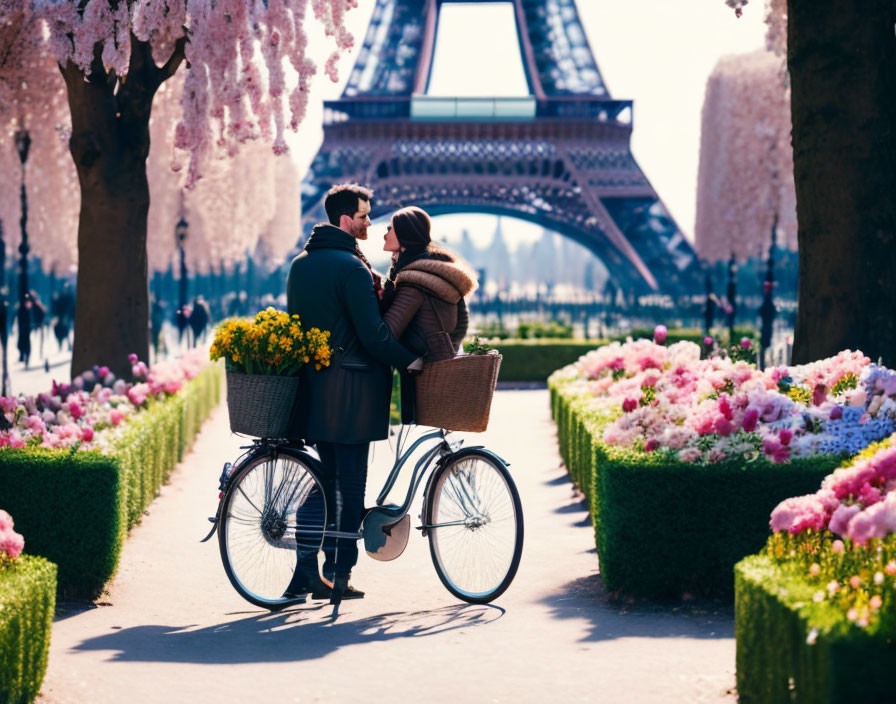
x,y
172,630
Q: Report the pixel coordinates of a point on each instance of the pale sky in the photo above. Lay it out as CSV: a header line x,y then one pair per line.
x,y
655,52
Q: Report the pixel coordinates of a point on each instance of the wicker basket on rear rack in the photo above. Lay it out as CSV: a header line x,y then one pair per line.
x,y
456,394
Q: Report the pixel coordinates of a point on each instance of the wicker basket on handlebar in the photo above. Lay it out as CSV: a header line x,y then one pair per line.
x,y
261,404
456,394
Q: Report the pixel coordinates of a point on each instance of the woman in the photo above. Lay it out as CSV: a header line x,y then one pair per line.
x,y
423,299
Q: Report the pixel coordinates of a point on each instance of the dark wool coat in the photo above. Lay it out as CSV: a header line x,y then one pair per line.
x,y
330,288
438,281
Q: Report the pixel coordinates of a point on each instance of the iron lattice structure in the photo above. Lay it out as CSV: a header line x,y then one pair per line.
x,y
559,157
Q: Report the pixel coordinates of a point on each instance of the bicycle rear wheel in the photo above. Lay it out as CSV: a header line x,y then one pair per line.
x,y
274,505
475,527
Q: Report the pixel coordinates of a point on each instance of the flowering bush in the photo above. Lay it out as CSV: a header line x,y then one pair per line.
x,y
842,539
669,400
75,415
11,543
274,343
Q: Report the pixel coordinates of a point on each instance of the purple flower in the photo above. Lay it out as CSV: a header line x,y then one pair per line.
x,y
708,341
659,334
745,343
836,413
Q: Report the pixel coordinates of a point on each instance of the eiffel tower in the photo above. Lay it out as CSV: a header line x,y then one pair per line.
x,y
559,157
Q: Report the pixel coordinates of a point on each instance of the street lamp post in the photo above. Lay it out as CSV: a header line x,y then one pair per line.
x,y
767,309
732,298
23,144
180,236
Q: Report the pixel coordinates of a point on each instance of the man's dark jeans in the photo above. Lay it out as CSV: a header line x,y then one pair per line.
x,y
344,480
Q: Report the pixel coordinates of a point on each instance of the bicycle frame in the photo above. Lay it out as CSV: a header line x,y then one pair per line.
x,y
443,448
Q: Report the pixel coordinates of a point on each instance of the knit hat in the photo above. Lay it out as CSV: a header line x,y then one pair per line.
x,y
412,226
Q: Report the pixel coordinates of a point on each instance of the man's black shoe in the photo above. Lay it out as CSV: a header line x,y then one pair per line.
x,y
325,592
297,598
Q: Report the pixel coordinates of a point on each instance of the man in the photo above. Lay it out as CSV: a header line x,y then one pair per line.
x,y
345,406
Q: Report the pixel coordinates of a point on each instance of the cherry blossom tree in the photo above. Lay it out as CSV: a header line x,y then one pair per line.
x,y
246,77
840,64
745,177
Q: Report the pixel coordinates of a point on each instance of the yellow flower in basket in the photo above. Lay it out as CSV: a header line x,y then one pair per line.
x,y
274,343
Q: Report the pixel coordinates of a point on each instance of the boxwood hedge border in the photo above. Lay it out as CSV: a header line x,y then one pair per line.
x,y
75,508
791,649
27,603
664,528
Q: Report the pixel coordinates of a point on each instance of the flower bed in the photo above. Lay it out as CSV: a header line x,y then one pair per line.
x,y
27,603
51,477
682,458
822,593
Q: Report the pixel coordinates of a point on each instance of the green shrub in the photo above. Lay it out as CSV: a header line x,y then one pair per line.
x,y
674,335
665,527
792,649
76,507
536,360
27,603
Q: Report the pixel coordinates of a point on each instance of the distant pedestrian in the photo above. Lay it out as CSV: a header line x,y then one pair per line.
x,y
199,318
23,320
156,321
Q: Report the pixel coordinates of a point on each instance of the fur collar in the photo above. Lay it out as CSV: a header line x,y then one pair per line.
x,y
443,274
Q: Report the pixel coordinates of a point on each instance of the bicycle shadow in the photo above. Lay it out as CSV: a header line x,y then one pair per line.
x,y
305,633
611,618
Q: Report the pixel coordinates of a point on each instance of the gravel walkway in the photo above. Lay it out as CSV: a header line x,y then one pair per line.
x,y
171,629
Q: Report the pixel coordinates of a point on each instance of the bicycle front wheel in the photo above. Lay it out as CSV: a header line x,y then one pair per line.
x,y
475,526
274,506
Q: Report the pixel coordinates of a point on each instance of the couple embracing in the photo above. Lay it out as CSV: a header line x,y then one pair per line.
x,y
416,315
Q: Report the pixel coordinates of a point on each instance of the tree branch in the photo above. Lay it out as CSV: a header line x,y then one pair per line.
x,y
174,61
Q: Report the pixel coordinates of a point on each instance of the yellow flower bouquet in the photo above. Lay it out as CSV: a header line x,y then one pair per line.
x,y
274,343
263,358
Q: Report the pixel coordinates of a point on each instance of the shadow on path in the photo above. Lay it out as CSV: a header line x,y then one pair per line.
x,y
587,598
306,633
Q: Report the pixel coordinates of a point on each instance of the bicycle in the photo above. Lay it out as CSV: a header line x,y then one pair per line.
x,y
272,499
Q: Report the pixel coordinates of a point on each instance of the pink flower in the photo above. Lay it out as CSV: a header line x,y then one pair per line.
x,y
841,517
708,341
6,523
837,546
890,568
814,569
12,544
75,410
138,393
785,436
9,404
87,433
724,427
745,343
16,440
819,395
725,407
875,602
659,334
628,405
651,445
132,358
751,420
103,372
115,416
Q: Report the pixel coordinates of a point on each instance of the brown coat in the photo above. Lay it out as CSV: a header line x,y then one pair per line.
x,y
428,289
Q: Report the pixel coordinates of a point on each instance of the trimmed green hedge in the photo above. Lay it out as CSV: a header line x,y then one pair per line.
x,y
76,507
536,360
27,603
791,649
665,527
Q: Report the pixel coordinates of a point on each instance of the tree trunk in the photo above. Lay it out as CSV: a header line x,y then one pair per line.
x,y
842,63
109,145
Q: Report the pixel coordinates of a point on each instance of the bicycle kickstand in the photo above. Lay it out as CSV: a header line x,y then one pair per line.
x,y
339,586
